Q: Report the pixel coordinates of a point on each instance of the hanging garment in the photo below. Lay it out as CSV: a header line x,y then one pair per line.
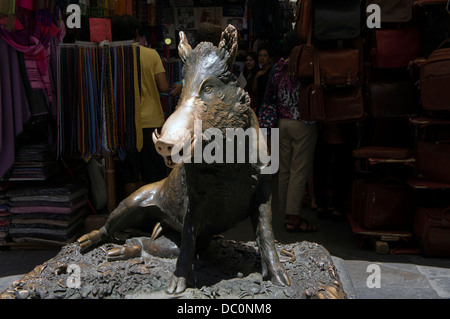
x,y
14,110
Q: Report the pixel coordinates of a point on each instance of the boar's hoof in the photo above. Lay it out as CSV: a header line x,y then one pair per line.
x,y
177,285
91,239
125,252
280,277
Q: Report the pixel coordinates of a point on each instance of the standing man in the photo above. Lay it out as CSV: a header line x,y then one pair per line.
x,y
147,165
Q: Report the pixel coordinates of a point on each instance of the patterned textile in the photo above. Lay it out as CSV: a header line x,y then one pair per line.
x,y
281,99
51,211
98,99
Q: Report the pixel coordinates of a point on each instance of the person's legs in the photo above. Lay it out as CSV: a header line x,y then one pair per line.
x,y
304,138
153,167
131,169
285,154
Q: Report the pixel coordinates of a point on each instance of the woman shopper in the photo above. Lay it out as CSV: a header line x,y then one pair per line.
x,y
297,138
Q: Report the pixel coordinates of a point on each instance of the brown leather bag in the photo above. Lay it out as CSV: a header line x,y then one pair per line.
x,y
386,205
432,231
395,48
435,80
394,10
343,104
397,97
301,58
339,67
432,162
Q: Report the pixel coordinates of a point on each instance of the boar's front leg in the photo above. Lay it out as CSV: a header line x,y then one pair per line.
x,y
128,213
262,224
182,272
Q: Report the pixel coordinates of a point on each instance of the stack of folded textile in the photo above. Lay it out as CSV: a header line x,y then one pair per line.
x,y
33,162
4,220
50,213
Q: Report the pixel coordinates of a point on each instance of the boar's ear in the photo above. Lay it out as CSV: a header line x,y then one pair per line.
x,y
183,48
229,42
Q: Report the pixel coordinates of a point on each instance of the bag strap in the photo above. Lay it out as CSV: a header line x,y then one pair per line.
x,y
443,42
445,222
304,11
294,59
318,110
316,66
310,29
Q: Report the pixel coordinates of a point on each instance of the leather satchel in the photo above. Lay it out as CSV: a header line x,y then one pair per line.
x,y
337,20
395,48
432,231
394,10
435,80
343,104
339,67
393,98
432,162
386,205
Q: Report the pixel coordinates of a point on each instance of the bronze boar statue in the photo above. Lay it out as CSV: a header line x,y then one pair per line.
x,y
200,199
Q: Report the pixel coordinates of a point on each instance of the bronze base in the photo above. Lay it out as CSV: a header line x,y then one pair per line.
x,y
228,269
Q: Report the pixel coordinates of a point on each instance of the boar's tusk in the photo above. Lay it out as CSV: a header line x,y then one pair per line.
x,y
155,136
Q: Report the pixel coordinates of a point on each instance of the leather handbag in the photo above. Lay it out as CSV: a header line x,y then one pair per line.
x,y
343,104
394,10
387,204
435,80
432,231
433,162
395,48
393,98
337,20
339,67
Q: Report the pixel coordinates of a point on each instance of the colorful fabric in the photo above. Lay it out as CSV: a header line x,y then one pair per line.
x,y
14,108
282,97
35,46
99,99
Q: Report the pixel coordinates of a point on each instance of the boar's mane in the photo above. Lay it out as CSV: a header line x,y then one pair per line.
x,y
232,109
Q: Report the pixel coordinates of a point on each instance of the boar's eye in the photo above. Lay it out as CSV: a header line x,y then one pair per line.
x,y
208,89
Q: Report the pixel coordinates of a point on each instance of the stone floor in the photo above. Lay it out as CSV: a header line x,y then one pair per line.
x,y
407,276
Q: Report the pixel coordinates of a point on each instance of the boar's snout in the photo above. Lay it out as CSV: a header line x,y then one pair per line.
x,y
162,147
173,152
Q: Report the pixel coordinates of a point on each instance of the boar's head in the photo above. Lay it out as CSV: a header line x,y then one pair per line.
x,y
210,94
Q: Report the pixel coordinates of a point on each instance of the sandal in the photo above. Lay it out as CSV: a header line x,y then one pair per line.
x,y
300,226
